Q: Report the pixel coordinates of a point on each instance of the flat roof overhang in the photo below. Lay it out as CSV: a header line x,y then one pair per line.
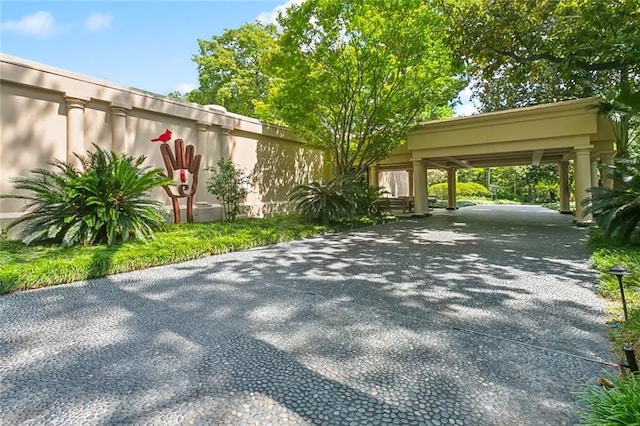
x,y
535,135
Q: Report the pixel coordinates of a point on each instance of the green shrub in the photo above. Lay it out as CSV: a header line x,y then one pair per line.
x,y
617,406
617,210
229,184
325,203
105,202
463,189
368,200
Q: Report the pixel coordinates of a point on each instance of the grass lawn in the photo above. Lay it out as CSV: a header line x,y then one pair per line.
x,y
26,267
605,254
620,405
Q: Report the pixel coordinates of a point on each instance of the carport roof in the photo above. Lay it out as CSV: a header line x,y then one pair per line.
x,y
534,135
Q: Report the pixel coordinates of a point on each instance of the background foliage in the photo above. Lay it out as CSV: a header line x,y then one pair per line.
x,y
352,77
231,68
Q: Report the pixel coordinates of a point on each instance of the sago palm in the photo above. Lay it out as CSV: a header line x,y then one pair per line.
x,y
104,202
325,203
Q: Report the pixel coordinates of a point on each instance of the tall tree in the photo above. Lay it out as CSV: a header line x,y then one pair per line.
x,y
231,70
354,76
524,52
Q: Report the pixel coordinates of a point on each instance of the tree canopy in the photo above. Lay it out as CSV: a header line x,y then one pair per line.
x,y
231,69
534,51
354,76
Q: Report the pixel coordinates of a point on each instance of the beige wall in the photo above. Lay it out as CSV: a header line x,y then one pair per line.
x,y
34,130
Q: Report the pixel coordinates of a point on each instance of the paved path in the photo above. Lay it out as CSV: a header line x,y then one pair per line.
x,y
481,316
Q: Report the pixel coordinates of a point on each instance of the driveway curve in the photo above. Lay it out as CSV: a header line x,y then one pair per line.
x,y
482,316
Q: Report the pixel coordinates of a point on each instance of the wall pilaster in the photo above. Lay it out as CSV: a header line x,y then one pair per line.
x,y
119,141
75,128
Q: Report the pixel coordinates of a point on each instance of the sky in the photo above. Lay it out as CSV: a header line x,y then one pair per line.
x,y
148,45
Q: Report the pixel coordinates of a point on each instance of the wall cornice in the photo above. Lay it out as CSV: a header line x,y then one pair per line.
x,y
23,72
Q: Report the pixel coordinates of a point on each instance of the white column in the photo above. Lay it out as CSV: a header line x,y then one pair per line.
x,y
411,193
594,171
420,187
563,167
119,142
373,176
583,182
605,172
451,188
75,128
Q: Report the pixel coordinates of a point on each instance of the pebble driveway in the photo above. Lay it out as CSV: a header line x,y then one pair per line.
x,y
482,316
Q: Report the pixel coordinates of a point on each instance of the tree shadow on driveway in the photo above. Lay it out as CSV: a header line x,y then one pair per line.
x,y
396,322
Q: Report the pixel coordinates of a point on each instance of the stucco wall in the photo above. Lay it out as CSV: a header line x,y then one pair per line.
x,y
37,126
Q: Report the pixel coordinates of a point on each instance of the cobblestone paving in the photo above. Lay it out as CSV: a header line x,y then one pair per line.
x,y
477,317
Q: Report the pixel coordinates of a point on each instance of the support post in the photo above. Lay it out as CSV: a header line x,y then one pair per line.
x,y
451,189
594,171
411,186
373,176
563,167
606,162
420,187
583,182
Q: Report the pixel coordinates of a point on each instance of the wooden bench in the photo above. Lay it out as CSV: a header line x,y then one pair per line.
x,y
407,204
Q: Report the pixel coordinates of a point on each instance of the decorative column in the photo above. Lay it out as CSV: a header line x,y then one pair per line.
x,y
451,188
420,187
119,142
606,161
583,182
225,141
373,176
563,167
594,171
75,128
411,193
207,160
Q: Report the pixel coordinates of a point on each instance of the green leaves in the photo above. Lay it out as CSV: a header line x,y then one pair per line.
x,y
230,185
617,210
617,406
103,203
339,199
521,53
354,76
231,68
323,203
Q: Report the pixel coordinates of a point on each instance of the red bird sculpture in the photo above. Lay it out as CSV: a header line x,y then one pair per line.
x,y
165,137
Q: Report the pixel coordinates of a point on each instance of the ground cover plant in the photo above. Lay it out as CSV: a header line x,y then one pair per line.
x,y
620,405
606,253
24,267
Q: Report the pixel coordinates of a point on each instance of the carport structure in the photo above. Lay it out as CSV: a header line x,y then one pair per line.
x,y
551,133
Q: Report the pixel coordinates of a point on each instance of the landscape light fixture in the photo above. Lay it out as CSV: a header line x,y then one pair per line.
x,y
619,272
